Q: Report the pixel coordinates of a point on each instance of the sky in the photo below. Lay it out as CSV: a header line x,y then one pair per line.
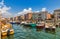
x,y
18,6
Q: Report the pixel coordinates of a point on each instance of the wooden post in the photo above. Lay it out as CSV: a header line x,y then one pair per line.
x,y
0,26
0,30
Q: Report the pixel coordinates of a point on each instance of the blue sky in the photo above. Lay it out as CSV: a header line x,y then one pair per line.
x,y
19,5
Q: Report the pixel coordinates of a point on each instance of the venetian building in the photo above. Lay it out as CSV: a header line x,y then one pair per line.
x,y
57,16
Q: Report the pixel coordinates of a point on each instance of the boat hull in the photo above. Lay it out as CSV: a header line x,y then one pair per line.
x,y
12,23
6,32
12,31
17,23
50,29
40,27
30,25
33,25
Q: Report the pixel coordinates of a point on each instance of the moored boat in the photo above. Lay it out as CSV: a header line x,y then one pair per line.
x,y
23,23
40,25
32,24
51,28
6,28
13,22
5,32
47,28
17,22
26,24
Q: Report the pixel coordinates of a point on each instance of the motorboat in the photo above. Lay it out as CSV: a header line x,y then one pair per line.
x,y
6,28
40,25
50,27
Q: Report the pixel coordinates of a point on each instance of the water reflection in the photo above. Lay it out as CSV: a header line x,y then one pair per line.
x,y
51,32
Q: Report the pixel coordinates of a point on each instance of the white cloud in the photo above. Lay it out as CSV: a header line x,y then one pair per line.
x,y
30,9
4,9
25,11
43,9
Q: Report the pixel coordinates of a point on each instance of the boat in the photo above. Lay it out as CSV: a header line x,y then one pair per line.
x,y
13,22
51,28
5,32
6,28
32,24
29,24
40,25
26,24
47,28
23,23
17,22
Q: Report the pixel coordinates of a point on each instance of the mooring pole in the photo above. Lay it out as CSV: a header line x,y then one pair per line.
x,y
0,30
0,25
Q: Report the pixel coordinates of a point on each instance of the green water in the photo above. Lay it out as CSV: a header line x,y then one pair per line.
x,y
22,32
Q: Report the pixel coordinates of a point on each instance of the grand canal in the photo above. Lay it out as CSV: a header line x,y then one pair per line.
x,y
22,32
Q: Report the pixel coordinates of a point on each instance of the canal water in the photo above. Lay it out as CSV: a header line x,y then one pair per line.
x,y
23,32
